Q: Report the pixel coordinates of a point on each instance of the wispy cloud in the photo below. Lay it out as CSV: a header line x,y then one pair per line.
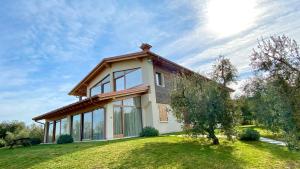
x,y
47,47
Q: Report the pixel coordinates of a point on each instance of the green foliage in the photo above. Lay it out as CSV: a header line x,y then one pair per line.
x,y
35,141
36,132
65,138
246,108
203,105
223,71
276,89
17,135
12,130
249,135
2,142
10,126
149,132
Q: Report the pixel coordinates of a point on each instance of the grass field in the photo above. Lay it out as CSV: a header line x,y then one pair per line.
x,y
157,152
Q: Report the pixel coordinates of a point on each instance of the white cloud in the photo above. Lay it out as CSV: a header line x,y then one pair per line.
x,y
201,49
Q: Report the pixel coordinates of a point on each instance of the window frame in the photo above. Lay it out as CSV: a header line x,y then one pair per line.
x,y
80,126
161,78
124,73
122,106
101,84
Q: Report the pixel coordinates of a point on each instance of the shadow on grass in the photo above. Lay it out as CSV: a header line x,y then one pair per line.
x,y
290,158
281,152
182,154
26,157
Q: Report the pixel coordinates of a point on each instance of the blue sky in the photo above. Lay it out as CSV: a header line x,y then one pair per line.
x,y
46,47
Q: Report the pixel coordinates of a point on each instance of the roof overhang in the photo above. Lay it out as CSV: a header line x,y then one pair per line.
x,y
80,88
92,102
178,68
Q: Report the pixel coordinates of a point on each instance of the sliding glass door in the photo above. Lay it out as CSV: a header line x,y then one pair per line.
x,y
76,127
132,121
127,117
118,122
98,124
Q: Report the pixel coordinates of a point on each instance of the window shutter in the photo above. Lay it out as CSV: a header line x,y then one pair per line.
x,y
163,112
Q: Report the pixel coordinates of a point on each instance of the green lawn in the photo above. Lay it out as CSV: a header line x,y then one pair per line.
x,y
157,152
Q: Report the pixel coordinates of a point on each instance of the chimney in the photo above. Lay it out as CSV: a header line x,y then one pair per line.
x,y
145,47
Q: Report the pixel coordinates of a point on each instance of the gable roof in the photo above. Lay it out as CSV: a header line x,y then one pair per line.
x,y
80,88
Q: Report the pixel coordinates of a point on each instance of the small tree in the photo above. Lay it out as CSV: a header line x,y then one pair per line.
x,y
202,104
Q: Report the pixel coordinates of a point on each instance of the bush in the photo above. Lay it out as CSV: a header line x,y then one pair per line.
x,y
249,135
149,132
63,139
36,131
2,143
35,141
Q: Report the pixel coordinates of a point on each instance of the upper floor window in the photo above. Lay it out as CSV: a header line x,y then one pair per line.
x,y
127,79
102,87
159,79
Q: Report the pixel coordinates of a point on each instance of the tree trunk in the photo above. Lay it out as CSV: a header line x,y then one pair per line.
x,y
215,141
211,134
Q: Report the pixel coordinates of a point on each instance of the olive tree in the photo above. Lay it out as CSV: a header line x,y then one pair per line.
x,y
276,61
204,105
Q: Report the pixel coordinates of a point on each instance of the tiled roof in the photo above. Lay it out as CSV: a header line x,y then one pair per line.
x,y
95,101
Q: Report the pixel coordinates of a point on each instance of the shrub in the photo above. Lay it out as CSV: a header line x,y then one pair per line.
x,y
36,131
2,143
63,139
149,132
249,135
35,141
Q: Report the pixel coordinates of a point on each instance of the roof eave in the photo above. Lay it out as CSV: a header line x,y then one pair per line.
x,y
105,61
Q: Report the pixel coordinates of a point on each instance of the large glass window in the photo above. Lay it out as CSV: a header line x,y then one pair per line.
x,y
98,124
87,126
132,121
76,127
118,129
102,87
128,113
64,126
57,129
127,78
50,132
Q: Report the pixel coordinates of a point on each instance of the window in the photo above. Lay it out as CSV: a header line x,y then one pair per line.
x,y
76,127
163,112
93,125
87,126
127,117
159,79
102,87
127,79
98,124
50,132
64,126
118,124
57,129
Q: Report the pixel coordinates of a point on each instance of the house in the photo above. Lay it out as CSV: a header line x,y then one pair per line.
x,y
122,95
